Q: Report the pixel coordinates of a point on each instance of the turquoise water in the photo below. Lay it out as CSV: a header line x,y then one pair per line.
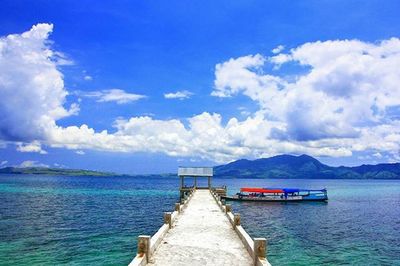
x,y
49,220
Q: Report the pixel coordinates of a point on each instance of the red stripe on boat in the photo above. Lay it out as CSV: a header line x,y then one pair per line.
x,y
260,190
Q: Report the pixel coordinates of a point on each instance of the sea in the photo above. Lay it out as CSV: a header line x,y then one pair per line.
x,y
57,220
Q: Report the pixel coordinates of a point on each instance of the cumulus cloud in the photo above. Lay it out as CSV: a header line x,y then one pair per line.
x,y
34,146
348,84
31,86
3,163
205,136
114,95
88,78
178,95
80,152
278,49
341,98
338,103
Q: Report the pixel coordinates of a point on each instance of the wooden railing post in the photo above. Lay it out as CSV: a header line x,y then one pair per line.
x,y
178,207
236,219
260,249
167,219
143,246
228,208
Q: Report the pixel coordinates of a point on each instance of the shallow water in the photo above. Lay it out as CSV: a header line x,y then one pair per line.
x,y
48,220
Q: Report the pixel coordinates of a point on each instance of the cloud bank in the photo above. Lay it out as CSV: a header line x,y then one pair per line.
x,y
341,99
344,94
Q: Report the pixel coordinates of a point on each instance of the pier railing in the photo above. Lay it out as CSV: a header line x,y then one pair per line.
x,y
147,245
256,247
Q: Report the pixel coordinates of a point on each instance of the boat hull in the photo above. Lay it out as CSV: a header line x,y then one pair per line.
x,y
274,199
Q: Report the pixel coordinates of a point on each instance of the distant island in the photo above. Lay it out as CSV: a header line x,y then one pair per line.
x,y
280,166
53,171
304,166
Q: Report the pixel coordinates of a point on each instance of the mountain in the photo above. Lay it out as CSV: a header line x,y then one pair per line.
x,y
53,171
281,166
303,166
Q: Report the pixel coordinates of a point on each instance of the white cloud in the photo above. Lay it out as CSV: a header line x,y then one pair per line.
x,y
178,95
88,78
205,137
29,163
34,146
31,86
114,95
243,75
337,104
3,163
377,155
80,152
244,111
340,99
278,49
348,84
59,165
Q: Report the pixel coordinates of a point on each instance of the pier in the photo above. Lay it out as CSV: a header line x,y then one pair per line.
x,y
202,230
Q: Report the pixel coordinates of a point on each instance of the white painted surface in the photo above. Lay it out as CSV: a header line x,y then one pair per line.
x,y
195,171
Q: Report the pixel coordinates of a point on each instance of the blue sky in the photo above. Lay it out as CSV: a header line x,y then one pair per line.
x,y
330,92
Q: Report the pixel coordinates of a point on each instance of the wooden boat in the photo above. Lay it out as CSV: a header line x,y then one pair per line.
x,y
279,195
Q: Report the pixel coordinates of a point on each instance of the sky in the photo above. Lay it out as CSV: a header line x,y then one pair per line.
x,y
145,86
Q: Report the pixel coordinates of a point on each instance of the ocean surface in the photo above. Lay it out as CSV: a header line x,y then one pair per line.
x,y
52,220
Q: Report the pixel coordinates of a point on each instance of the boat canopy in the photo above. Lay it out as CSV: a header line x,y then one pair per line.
x,y
296,190
292,190
278,190
261,190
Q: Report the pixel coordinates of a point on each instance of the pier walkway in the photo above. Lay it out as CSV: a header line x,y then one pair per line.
x,y
202,235
201,231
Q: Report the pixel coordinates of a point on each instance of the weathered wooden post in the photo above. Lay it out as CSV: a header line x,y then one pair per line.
x,y
143,246
236,219
228,208
178,207
167,219
260,249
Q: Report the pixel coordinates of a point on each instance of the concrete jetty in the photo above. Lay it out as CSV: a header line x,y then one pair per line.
x,y
201,236
201,231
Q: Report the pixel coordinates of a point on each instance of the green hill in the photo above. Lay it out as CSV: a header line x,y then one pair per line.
x,y
53,171
304,166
